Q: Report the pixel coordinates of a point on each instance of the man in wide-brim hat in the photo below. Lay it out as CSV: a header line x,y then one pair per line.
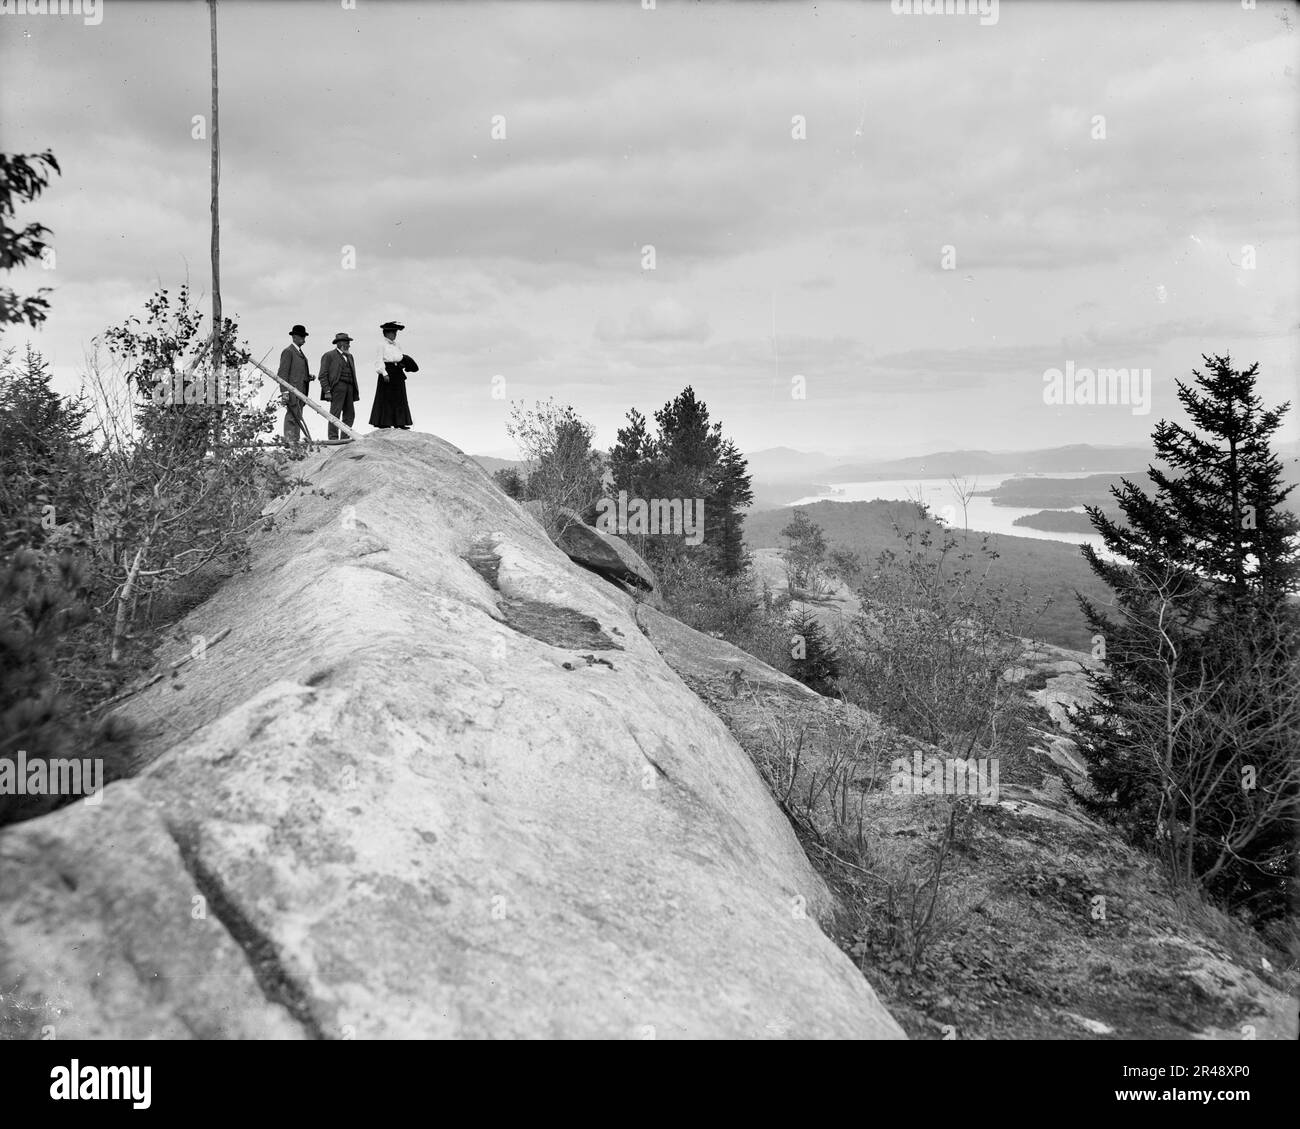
x,y
338,382
294,370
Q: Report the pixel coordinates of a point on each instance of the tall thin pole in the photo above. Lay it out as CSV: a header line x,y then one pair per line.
x,y
217,323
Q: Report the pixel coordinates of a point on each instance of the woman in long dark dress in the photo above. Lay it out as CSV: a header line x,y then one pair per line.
x,y
391,366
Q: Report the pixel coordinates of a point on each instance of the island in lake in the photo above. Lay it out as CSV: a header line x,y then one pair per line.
x,y
1056,521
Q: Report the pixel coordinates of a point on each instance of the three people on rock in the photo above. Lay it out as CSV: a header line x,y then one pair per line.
x,y
340,385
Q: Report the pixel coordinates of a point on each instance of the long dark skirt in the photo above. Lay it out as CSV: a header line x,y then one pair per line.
x,y
390,408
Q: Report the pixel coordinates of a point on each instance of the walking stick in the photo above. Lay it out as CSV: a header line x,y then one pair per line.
x,y
344,429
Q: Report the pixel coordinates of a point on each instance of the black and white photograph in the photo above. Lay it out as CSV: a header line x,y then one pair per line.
x,y
650,520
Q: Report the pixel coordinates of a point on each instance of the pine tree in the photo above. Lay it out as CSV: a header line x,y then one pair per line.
x,y
687,443
813,658
1222,517
1197,688
631,455
46,462
730,494
687,459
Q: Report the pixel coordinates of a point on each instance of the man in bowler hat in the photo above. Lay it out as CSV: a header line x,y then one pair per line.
x,y
294,370
338,382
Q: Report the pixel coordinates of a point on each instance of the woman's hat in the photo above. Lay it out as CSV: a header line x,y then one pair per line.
x,y
391,325
298,331
340,337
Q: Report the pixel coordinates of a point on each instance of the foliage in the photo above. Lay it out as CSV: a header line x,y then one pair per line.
x,y
813,658
563,472
47,467
1050,572
805,556
182,483
935,637
104,518
823,778
23,177
1191,742
687,458
42,600
511,482
728,608
846,564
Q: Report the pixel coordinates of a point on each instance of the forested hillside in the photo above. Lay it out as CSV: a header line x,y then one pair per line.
x,y
1050,569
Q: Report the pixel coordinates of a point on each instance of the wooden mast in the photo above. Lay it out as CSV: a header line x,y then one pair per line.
x,y
218,352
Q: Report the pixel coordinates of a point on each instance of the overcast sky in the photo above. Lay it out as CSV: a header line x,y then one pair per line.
x,y
775,256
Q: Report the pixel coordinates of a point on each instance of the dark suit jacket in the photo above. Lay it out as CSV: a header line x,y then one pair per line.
x,y
293,368
335,372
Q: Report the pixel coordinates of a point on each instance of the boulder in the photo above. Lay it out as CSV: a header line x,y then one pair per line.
x,y
604,553
434,783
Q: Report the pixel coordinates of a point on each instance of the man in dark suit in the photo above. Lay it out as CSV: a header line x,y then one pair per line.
x,y
294,370
338,382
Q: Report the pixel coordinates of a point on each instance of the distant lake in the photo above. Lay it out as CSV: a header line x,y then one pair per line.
x,y
982,515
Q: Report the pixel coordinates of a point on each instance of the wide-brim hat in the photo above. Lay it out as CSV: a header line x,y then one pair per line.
x,y
298,331
391,325
340,337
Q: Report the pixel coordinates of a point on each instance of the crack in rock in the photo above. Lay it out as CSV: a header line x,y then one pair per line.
x,y
263,959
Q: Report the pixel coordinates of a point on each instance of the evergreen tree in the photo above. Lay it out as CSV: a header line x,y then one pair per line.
x,y
631,456
687,443
813,658
1197,689
1222,517
731,493
687,459
46,461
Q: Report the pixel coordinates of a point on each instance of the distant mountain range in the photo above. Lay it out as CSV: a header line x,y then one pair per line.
x,y
781,464
492,465
781,474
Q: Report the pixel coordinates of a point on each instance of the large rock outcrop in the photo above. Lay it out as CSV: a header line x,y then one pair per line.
x,y
435,782
605,554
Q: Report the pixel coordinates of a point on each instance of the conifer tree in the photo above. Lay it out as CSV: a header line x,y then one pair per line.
x,y
813,658
1196,696
687,459
730,495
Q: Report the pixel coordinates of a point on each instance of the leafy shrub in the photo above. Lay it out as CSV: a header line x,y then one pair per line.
x,y
930,649
40,603
727,608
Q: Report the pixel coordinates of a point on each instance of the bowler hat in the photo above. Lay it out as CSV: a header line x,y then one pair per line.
x,y
340,337
391,325
298,331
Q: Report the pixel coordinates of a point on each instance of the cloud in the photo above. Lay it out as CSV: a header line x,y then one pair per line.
x,y
664,320
372,129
